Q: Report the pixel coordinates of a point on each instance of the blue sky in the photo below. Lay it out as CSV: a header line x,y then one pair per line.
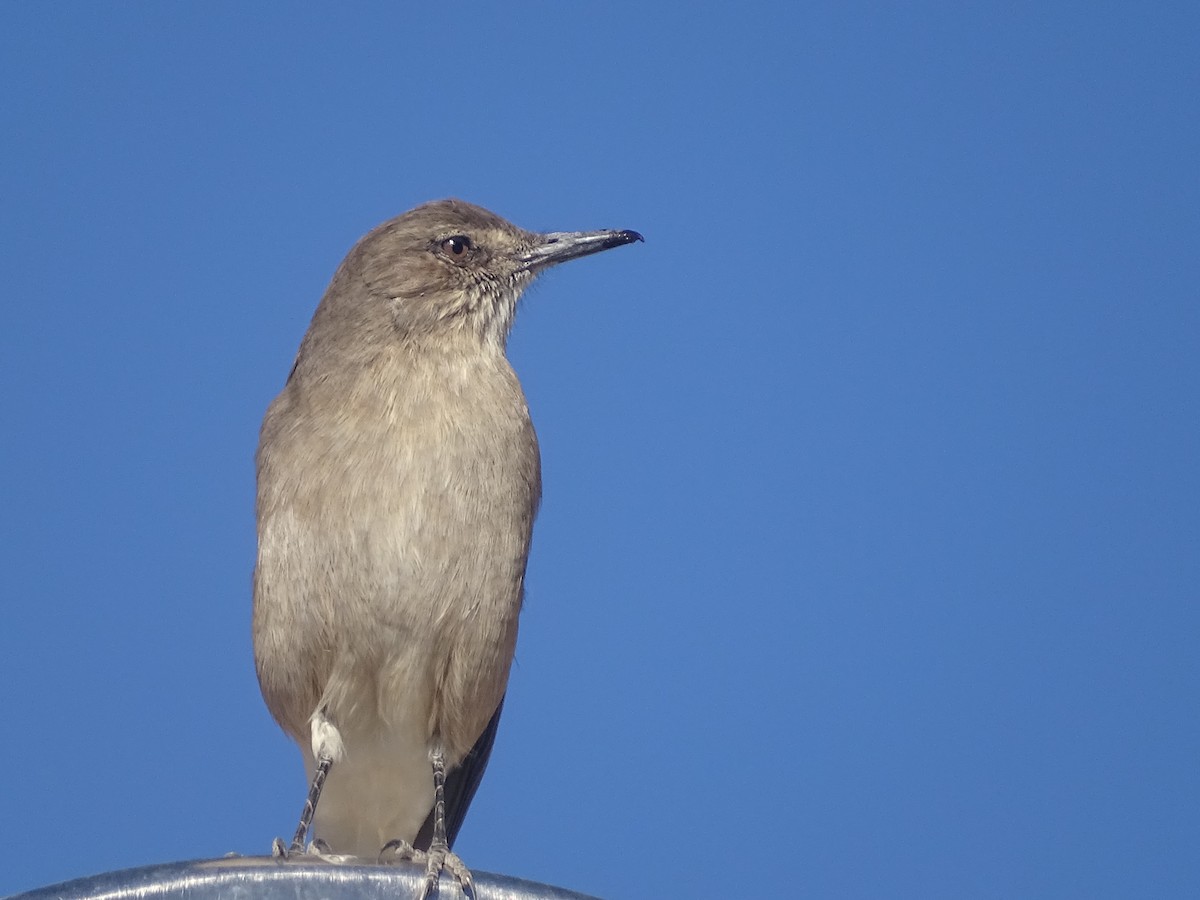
x,y
867,564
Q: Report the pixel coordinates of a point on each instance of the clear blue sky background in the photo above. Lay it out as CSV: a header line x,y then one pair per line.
x,y
868,559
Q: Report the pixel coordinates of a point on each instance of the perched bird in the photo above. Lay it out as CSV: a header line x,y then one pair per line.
x,y
398,478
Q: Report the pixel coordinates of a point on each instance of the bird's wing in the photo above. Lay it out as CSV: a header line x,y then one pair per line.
x,y
461,784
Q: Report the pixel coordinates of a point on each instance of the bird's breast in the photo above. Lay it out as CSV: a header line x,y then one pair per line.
x,y
395,515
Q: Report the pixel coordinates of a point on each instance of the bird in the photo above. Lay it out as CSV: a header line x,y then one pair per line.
x,y
398,478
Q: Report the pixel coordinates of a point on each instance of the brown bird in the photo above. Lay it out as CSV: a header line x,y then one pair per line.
x,y
398,479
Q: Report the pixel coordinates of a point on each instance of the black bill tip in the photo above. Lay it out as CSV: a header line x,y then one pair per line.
x,y
620,238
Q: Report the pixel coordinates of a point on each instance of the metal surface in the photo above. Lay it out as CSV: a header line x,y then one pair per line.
x,y
265,878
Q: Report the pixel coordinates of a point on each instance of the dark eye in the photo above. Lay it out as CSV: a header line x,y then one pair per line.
x,y
457,245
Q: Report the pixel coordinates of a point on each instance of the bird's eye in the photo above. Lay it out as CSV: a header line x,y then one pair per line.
x,y
456,246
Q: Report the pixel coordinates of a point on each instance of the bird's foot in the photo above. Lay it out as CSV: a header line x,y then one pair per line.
x,y
317,848
437,858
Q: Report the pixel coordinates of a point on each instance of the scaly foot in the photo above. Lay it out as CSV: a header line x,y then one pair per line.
x,y
437,859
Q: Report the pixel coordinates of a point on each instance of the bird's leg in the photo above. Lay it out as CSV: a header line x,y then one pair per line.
x,y
324,764
438,856
327,748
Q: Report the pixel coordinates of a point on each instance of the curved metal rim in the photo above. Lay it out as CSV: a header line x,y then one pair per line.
x,y
267,878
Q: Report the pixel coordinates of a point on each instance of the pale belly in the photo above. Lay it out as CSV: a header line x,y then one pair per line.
x,y
380,791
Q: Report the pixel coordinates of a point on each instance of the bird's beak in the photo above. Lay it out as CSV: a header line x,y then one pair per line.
x,y
559,246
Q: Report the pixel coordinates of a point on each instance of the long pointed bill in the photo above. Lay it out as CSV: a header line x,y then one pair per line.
x,y
559,246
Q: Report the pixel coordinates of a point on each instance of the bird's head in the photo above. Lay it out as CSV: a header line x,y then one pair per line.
x,y
452,266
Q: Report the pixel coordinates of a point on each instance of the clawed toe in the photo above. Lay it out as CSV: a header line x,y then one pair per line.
x,y
317,848
437,859
441,858
400,849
